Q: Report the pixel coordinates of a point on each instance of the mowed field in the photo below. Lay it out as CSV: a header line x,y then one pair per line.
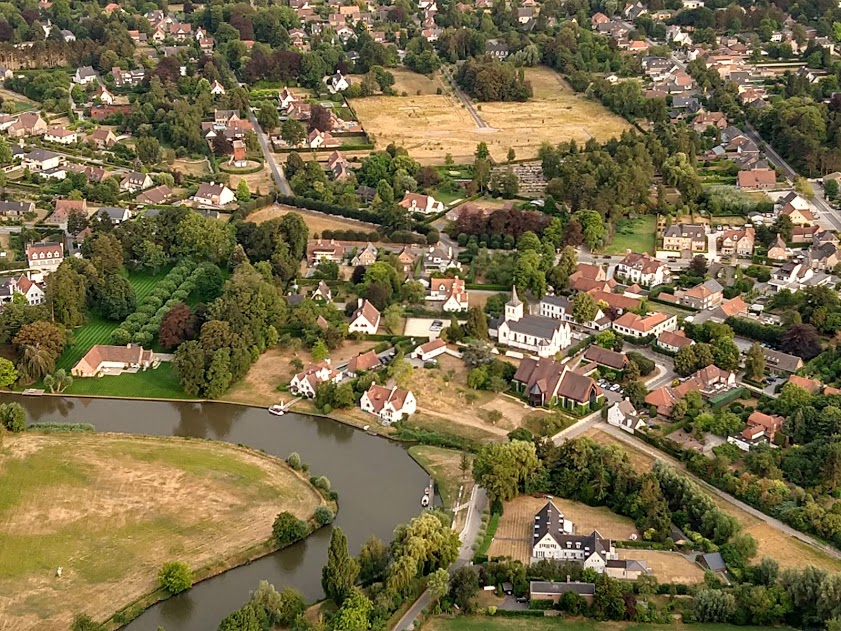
x,y
787,550
110,510
431,125
514,534
98,330
316,222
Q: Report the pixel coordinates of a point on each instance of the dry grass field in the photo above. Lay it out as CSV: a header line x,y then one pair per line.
x,y
110,510
444,465
668,567
196,168
259,183
788,551
317,222
513,535
431,125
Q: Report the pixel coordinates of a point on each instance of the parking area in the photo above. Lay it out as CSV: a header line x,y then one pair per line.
x,y
427,327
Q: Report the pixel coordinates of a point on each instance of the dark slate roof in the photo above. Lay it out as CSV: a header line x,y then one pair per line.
x,y
714,561
545,587
559,301
548,520
535,325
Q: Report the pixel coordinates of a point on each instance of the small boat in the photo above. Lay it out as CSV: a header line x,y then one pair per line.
x,y
425,501
277,410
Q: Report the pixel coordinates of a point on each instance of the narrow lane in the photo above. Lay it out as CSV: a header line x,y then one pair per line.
x,y
277,171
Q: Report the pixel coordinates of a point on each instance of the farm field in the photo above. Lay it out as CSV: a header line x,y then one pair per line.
x,y
430,125
489,623
636,235
788,551
110,511
98,330
513,536
316,222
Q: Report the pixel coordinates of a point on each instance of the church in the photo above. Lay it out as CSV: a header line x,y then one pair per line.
x,y
542,336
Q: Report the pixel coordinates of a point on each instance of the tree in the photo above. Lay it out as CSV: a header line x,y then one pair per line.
x,y
8,374
393,318
464,464
725,354
83,622
584,307
373,560
66,295
175,577
59,381
354,614
830,188
592,226
13,417
324,514
243,192
5,151
685,361
288,529
339,575
293,133
502,468
477,324
482,152
177,326
267,118
320,352
755,363
117,299
203,238
801,340
45,335
714,606
636,392
698,265
148,149
105,252
464,585
77,220
511,154
438,584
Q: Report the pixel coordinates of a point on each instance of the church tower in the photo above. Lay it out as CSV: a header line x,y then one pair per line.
x,y
514,307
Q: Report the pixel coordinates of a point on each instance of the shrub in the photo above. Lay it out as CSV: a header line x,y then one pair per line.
x,y
321,483
142,337
83,622
294,460
288,529
120,336
324,515
175,577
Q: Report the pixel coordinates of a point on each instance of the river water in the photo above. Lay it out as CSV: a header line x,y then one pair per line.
x,y
379,487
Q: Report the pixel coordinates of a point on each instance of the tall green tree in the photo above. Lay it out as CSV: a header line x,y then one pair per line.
x,y
339,576
755,363
503,468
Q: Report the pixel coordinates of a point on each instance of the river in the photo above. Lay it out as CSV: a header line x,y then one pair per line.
x,y
379,487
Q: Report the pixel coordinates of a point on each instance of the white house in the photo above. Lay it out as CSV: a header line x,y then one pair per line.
x,y
135,181
112,360
624,416
536,334
451,291
41,160
366,319
322,292
305,382
61,135
633,325
115,215
85,75
389,404
217,88
212,194
560,308
45,257
104,95
553,538
337,82
430,350
23,285
425,204
643,269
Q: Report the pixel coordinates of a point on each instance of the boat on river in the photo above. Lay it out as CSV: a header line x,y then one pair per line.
x,y
278,409
427,495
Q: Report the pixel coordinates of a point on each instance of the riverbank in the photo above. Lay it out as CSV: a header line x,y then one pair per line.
x,y
111,509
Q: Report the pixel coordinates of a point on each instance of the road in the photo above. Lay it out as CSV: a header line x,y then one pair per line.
x,y
468,536
626,438
277,172
468,104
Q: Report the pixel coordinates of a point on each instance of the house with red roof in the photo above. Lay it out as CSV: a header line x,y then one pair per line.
x,y
389,404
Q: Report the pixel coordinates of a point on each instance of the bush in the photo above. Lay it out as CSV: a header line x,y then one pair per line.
x,y
321,483
324,515
83,622
645,365
175,577
294,460
288,529
120,336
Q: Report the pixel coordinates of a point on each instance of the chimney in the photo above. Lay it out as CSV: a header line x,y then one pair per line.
x,y
359,302
568,581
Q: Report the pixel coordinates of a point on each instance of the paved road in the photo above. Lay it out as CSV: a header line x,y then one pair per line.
x,y
773,157
469,534
624,437
468,104
277,172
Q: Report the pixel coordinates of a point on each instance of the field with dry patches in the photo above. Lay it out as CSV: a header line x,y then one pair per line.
x,y
316,222
787,550
668,567
110,510
430,125
513,535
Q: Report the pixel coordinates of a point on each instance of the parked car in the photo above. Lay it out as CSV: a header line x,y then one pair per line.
x,y
436,325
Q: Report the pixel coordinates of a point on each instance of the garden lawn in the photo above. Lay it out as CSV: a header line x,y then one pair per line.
x,y
490,623
111,509
636,235
152,383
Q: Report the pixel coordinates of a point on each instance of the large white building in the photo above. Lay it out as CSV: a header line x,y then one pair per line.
x,y
537,334
643,269
553,538
389,404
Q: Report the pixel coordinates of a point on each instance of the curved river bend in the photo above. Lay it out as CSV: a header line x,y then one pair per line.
x,y
379,487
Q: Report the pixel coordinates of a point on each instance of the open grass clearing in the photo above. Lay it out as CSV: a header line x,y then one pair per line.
x,y
194,168
316,222
668,567
636,235
152,383
110,510
444,467
787,550
490,623
259,183
430,125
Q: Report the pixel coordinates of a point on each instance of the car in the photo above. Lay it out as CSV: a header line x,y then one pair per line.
x,y
522,599
436,325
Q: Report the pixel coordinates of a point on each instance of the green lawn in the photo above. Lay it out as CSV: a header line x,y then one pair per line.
x,y
490,623
447,198
98,330
158,383
636,235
